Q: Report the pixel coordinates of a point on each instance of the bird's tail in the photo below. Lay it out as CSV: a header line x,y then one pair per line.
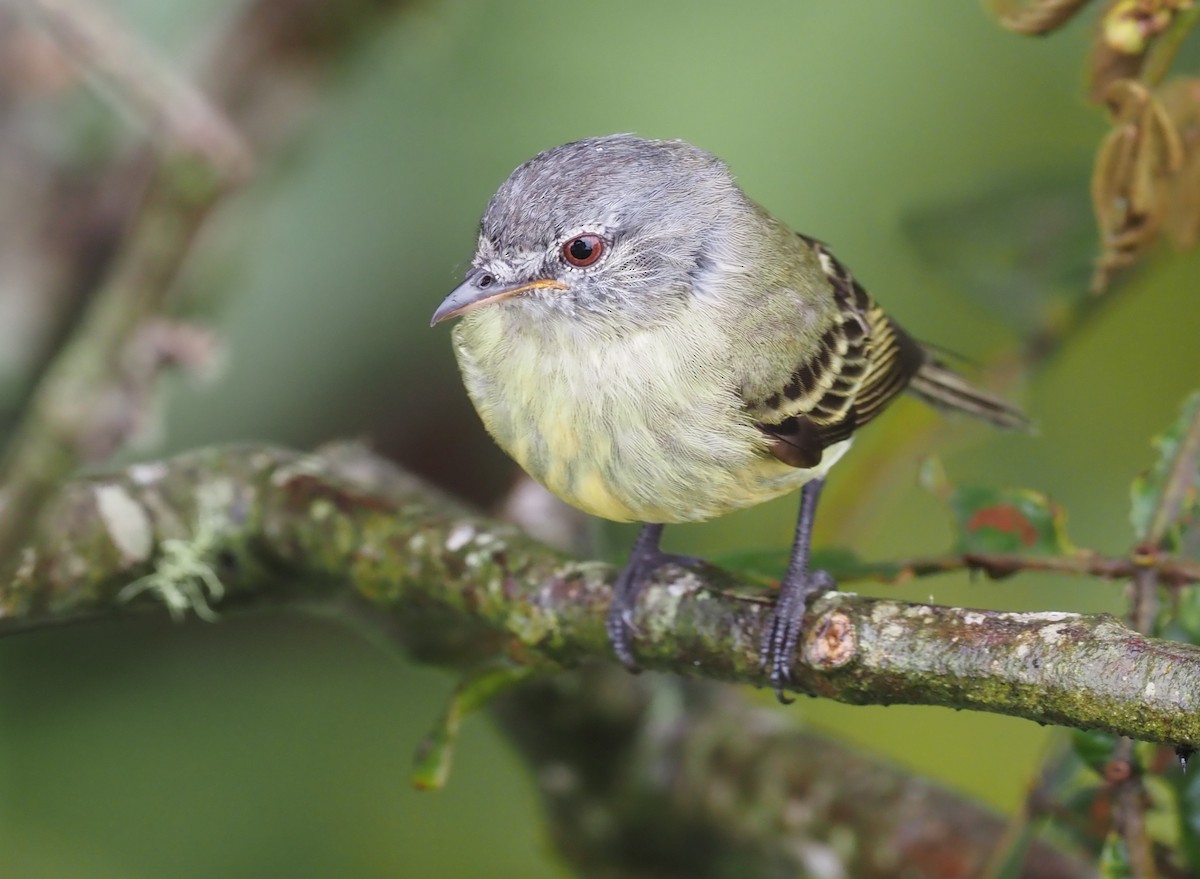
x,y
943,388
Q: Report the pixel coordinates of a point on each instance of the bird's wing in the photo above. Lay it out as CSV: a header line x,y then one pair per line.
x,y
863,361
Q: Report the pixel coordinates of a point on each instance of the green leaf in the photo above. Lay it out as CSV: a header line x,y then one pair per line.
x,y
1094,748
432,762
1000,520
1114,859
1165,500
1008,520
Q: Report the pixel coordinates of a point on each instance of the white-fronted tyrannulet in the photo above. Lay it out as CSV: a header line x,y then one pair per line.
x,y
654,347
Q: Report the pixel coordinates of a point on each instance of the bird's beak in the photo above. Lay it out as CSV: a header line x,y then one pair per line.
x,y
471,294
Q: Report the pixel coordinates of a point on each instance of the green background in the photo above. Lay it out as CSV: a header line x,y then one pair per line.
x,y
900,133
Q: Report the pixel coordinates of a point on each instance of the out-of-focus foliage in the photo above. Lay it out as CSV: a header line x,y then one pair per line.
x,y
1020,248
1001,520
1145,179
282,747
1166,498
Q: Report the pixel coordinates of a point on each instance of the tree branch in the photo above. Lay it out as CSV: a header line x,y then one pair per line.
x,y
667,778
343,529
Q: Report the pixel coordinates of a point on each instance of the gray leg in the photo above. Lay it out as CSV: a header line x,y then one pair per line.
x,y
778,649
644,560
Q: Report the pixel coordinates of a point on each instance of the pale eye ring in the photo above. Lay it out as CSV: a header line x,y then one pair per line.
x,y
584,250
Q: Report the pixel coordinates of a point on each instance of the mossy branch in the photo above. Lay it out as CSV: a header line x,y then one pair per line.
x,y
661,777
342,529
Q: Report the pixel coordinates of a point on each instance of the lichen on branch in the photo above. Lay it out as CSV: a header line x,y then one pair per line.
x,y
344,529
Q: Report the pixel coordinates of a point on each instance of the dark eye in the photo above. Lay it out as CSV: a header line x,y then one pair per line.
x,y
583,250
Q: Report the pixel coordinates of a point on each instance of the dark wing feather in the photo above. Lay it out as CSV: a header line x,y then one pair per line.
x,y
863,361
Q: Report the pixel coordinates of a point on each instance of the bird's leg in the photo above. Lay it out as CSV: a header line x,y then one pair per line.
x,y
778,649
644,560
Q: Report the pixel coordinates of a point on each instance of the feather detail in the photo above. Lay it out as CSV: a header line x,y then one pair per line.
x,y
864,361
943,388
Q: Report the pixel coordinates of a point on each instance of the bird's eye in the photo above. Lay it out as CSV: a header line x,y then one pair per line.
x,y
583,250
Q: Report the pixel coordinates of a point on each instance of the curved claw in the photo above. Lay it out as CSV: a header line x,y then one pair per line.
x,y
620,625
781,636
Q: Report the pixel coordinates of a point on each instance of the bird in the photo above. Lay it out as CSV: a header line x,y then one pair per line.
x,y
653,346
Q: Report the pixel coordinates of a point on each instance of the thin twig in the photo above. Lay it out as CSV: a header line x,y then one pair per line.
x,y
1170,570
1129,812
749,790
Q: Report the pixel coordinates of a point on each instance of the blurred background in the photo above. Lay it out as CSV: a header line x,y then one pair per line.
x,y
944,159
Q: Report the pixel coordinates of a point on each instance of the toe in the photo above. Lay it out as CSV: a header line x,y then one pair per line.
x,y
620,634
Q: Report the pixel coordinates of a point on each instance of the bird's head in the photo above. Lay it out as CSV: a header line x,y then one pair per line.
x,y
616,227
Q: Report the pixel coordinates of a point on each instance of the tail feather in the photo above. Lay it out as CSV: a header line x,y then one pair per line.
x,y
945,389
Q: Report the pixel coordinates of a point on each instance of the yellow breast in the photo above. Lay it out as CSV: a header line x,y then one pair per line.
x,y
645,426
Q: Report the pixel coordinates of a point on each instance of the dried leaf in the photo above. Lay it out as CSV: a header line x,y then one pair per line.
x,y
1034,17
1132,176
1130,25
1128,33
1180,99
1108,65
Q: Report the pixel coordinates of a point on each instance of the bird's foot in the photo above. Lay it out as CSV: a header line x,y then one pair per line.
x,y
641,566
782,634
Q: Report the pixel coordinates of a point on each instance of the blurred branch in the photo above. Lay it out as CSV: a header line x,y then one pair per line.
x,y
264,74
96,392
655,776
343,529
181,121
1179,479
1129,813
1167,493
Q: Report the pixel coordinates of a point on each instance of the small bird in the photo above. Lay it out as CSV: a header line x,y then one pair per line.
x,y
652,346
